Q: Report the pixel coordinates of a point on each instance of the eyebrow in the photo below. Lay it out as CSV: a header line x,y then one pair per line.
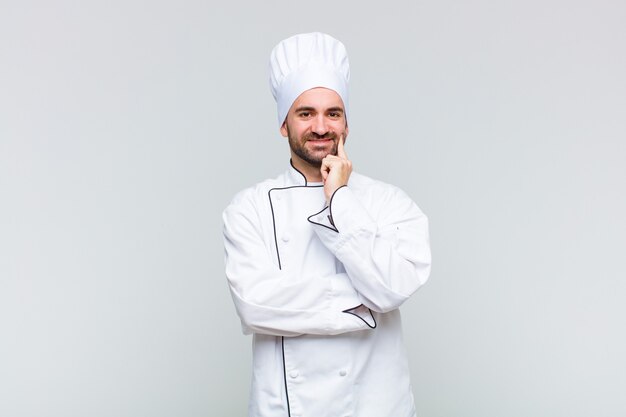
x,y
311,109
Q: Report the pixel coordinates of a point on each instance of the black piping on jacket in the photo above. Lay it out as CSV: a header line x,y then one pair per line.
x,y
330,218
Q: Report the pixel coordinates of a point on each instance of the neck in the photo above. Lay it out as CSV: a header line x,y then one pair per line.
x,y
312,173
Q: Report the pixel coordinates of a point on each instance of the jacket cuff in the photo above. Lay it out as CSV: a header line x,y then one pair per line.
x,y
324,219
344,217
363,313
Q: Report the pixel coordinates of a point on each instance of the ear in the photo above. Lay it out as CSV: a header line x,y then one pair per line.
x,y
283,129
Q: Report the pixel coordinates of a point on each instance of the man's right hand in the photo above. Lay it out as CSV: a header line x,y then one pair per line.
x,y
335,170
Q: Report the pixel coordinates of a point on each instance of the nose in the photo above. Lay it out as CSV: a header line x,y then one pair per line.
x,y
319,125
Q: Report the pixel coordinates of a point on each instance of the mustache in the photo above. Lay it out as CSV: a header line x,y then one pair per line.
x,y
315,136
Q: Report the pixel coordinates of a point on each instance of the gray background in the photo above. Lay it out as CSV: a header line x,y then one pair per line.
x,y
127,126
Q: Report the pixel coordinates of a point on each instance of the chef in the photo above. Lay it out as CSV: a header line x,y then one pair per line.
x,y
319,259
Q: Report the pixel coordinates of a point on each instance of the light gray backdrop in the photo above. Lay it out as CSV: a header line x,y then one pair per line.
x,y
127,126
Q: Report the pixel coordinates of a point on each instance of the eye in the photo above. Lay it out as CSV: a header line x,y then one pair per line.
x,y
304,114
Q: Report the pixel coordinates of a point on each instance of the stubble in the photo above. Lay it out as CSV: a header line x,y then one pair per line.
x,y
298,146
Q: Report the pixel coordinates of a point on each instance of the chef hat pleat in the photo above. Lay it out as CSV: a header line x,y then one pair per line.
x,y
306,61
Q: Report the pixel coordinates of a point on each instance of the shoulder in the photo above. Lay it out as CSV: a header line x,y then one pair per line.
x,y
365,185
253,197
382,197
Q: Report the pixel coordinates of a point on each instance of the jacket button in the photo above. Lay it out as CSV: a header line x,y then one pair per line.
x,y
285,238
293,374
343,372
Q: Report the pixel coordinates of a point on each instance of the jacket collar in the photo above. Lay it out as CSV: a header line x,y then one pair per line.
x,y
295,177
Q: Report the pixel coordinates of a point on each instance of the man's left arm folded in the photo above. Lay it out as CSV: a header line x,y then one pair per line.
x,y
273,301
387,257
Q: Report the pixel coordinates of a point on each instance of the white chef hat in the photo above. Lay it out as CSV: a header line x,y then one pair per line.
x,y
306,61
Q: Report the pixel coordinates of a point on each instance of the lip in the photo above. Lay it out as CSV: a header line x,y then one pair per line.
x,y
320,140
320,143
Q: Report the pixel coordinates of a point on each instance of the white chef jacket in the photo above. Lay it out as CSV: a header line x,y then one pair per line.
x,y
319,288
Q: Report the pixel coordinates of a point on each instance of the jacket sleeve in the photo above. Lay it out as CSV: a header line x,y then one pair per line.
x,y
271,301
386,257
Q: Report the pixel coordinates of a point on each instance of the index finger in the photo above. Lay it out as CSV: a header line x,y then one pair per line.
x,y
341,152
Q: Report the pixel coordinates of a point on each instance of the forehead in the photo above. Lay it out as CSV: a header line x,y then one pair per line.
x,y
318,98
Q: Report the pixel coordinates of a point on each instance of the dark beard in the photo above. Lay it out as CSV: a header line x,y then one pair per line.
x,y
299,149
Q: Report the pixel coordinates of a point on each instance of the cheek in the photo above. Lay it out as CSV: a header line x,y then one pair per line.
x,y
340,126
299,129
